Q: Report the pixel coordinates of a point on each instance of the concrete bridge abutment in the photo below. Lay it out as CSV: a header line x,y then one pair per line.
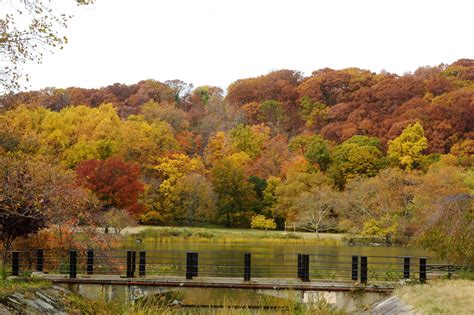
x,y
347,300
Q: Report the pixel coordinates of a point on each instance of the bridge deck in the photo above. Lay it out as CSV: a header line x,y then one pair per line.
x,y
224,283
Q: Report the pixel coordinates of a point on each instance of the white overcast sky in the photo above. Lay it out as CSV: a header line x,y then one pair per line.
x,y
216,42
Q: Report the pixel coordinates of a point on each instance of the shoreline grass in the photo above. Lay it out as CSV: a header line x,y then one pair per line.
x,y
439,297
13,285
222,235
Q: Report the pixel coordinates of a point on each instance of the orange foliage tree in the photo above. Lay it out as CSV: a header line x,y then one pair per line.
x,y
115,182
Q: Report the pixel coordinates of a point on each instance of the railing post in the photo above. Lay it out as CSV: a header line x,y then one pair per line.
x,y
194,268
305,267
406,268
39,260
422,270
363,269
142,264
90,262
300,268
134,263
355,267
189,275
191,265
15,263
129,264
72,264
247,266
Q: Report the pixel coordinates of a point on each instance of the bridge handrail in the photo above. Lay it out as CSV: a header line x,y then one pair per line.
x,y
221,263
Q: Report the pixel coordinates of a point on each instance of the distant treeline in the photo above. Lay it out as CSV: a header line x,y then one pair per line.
x,y
334,103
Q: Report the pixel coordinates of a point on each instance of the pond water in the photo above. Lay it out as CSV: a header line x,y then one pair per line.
x,y
275,260
275,248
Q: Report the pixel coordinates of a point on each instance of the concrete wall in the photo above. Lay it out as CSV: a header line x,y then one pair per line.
x,y
343,300
110,292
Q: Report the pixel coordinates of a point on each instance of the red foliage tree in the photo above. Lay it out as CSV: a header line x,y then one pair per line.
x,y
335,86
277,85
114,181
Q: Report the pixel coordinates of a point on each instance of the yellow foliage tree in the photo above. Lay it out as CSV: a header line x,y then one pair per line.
x,y
407,149
170,170
142,141
260,222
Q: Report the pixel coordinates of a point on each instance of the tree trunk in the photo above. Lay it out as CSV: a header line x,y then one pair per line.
x,y
7,243
4,262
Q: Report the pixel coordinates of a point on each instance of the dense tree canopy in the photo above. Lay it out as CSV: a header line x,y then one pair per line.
x,y
339,150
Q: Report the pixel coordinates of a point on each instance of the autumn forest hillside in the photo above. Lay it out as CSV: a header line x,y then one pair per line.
x,y
334,103
339,150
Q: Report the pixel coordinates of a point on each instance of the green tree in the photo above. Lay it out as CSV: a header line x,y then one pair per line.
x,y
317,152
259,185
315,114
407,149
299,144
269,198
358,156
245,139
236,196
272,111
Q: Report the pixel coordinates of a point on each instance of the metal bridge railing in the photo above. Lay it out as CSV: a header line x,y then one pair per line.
x,y
155,263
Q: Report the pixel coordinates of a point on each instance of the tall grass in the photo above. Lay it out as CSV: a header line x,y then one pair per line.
x,y
208,235
166,304
151,308
440,297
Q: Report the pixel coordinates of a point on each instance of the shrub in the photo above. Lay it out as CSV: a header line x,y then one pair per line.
x,y
260,222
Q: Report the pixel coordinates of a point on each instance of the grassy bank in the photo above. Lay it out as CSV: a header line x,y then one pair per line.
x,y
151,309
162,305
440,297
223,235
11,286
